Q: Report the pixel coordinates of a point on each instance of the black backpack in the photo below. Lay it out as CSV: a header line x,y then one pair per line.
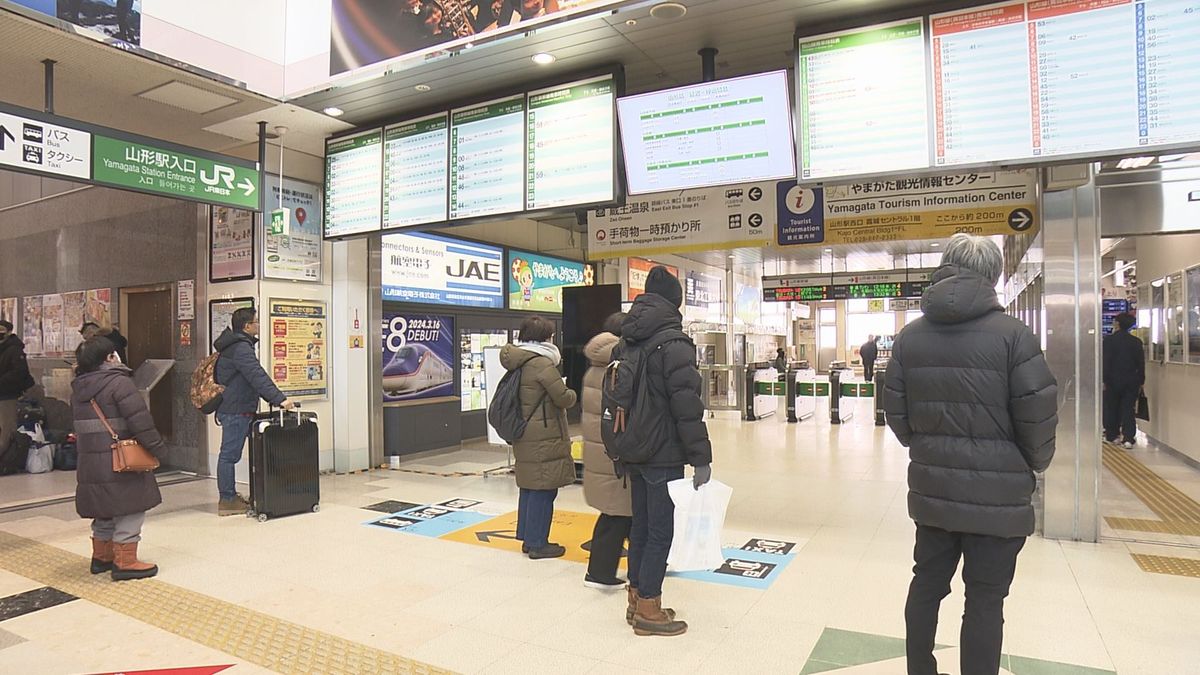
x,y
632,428
504,413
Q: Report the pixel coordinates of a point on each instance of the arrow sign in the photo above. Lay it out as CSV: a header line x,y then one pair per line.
x,y
756,193
247,186
1020,220
756,220
4,132
486,537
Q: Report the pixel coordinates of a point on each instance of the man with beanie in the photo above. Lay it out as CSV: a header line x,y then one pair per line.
x,y
14,380
674,385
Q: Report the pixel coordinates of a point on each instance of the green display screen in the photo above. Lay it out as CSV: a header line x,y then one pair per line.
x,y
892,290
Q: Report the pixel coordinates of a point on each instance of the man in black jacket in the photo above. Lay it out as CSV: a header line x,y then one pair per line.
x,y
868,353
245,383
14,380
1124,377
674,385
969,393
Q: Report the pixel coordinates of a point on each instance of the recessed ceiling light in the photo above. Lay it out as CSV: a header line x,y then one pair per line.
x,y
469,45
935,244
422,87
631,23
544,58
829,250
668,10
334,111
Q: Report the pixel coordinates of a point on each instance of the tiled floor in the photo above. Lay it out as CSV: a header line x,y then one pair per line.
x,y
838,492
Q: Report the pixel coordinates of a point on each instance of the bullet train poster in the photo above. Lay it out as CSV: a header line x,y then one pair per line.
x,y
418,357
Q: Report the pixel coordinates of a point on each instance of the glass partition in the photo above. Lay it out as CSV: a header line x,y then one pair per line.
x,y
1175,319
1158,300
1193,314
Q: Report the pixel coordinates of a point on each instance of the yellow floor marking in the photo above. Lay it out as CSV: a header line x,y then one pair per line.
x,y
1159,564
571,529
1166,501
251,636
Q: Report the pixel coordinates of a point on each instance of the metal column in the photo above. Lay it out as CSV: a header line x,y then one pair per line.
x,y
1071,235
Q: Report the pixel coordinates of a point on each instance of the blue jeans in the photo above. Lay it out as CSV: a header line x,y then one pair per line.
x,y
234,431
653,527
535,510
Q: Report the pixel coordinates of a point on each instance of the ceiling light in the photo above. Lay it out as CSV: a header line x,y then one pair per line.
x,y
631,23
668,11
544,58
829,250
334,111
422,87
1135,162
935,244
469,45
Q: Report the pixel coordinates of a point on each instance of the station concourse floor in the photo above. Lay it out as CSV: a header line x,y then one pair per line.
x,y
329,593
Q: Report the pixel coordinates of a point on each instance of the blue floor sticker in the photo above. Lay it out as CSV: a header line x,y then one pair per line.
x,y
745,568
430,521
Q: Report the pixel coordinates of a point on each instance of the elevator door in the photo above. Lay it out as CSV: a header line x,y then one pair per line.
x,y
150,320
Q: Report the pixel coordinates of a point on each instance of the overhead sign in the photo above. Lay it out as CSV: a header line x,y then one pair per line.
x,y
151,168
928,207
846,286
353,184
32,145
639,270
426,268
702,290
535,282
737,216
295,253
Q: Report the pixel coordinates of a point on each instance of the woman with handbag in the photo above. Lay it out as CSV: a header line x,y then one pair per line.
x,y
117,445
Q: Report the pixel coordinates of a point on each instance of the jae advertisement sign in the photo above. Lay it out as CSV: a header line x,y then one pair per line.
x,y
426,268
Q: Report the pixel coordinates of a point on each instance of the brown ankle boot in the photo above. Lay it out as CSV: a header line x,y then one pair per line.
x,y
102,556
126,564
650,619
632,594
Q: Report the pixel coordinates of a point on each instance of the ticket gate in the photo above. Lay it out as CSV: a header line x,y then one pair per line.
x,y
844,391
803,391
763,386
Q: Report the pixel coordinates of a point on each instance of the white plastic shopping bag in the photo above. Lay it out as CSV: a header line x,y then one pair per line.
x,y
699,518
40,459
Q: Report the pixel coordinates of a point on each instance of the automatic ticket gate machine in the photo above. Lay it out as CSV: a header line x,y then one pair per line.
x,y
803,389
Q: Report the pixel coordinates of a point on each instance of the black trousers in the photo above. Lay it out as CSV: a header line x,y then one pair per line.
x,y
989,564
1120,408
868,370
608,545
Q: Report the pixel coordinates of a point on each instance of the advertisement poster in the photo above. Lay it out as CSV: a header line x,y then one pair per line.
x,y
427,268
702,290
31,325
639,269
535,282
473,384
299,354
8,310
52,324
983,203
418,356
117,19
97,307
297,255
74,305
185,300
231,248
220,315
367,31
736,216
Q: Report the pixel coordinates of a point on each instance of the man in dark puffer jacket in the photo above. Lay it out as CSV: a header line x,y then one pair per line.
x,y
674,384
970,394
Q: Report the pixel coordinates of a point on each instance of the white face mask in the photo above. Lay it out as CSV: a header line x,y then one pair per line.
x,y
114,358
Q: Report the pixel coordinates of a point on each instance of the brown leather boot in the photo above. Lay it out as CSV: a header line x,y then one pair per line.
x,y
632,594
102,556
127,566
650,619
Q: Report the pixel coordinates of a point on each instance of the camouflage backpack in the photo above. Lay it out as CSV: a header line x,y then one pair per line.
x,y
205,392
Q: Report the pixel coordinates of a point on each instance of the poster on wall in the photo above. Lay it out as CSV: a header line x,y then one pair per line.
x,y
366,31
427,268
535,282
702,290
52,324
185,300
299,354
639,269
97,308
116,19
8,311
74,305
31,325
297,255
231,245
473,382
220,315
418,356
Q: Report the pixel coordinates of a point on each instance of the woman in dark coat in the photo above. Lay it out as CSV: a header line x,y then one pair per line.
x,y
543,453
116,502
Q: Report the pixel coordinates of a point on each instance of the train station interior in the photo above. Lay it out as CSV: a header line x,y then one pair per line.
x,y
373,200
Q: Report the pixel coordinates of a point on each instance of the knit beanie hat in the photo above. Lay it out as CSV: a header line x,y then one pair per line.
x,y
663,283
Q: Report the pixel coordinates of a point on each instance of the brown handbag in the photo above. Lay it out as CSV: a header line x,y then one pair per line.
x,y
128,456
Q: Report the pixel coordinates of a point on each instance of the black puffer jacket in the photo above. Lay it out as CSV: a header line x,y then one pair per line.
x,y
1124,361
674,379
14,369
970,394
243,376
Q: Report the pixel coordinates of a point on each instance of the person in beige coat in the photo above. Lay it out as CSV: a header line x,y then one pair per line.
x,y
543,454
602,488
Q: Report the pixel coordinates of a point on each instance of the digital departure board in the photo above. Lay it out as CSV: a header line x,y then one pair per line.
x,y
862,101
571,145
737,130
487,159
353,166
847,286
416,172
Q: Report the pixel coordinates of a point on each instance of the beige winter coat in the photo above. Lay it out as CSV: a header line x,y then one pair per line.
x,y
543,454
601,487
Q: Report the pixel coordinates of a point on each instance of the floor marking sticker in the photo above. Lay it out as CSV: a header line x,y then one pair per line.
x,y
746,567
